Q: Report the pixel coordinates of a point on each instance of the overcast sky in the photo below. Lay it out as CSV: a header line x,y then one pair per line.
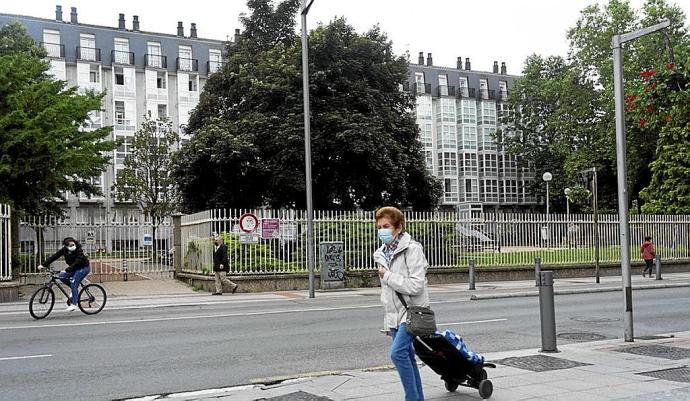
x,y
501,30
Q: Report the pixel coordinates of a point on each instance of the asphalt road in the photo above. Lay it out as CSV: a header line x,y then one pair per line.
x,y
135,352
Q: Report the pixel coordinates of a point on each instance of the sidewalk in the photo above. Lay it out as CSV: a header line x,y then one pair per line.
x,y
653,369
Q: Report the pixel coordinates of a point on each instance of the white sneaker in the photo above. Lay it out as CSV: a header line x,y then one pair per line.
x,y
71,308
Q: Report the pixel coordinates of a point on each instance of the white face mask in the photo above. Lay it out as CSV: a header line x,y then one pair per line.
x,y
72,248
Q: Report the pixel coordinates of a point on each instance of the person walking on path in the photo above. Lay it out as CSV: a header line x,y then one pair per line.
x,y
221,265
77,270
648,253
402,269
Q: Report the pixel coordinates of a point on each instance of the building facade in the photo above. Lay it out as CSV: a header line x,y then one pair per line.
x,y
144,75
458,111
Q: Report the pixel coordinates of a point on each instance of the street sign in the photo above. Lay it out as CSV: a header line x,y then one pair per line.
x,y
249,238
90,237
270,228
332,261
248,222
148,240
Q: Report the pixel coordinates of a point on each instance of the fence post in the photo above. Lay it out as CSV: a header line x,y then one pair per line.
x,y
177,243
547,313
537,271
471,279
657,260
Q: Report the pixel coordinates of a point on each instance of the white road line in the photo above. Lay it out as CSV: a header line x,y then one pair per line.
x,y
13,358
472,322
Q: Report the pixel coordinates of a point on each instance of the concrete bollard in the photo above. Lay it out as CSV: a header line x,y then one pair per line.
x,y
547,313
471,279
537,270
657,262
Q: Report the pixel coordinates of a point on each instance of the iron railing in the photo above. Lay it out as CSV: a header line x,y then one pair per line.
x,y
5,243
155,61
122,57
88,53
54,50
187,64
465,92
213,66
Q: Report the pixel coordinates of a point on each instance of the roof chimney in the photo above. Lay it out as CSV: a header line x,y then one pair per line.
x,y
429,60
73,15
420,59
468,66
180,29
58,13
237,35
495,67
135,23
192,31
121,22
504,70
459,63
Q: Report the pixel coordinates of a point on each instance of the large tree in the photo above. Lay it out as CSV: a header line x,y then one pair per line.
x,y
248,142
44,152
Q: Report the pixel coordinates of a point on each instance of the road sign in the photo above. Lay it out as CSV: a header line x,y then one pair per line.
x,y
90,237
270,228
248,223
249,238
148,240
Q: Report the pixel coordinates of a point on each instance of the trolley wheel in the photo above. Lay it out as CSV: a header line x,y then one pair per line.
x,y
486,388
92,299
451,386
483,375
42,302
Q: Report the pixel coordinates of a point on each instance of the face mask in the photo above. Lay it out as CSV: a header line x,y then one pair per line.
x,y
72,248
386,235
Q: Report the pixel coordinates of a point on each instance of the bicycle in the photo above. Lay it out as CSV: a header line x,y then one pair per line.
x,y
92,297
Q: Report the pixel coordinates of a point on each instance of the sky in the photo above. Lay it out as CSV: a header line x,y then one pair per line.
x,y
485,31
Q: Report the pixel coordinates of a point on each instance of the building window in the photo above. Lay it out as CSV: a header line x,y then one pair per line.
x,y
185,57
448,163
469,111
419,82
503,90
490,165
120,118
443,85
487,141
424,108
153,57
488,110
469,137
121,51
484,88
119,76
469,164
162,111
51,42
193,85
425,134
161,80
87,47
214,60
463,86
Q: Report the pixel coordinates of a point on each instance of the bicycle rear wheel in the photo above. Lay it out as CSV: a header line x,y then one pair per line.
x,y
92,299
42,302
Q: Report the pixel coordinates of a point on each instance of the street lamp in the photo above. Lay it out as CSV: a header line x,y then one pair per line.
x,y
618,90
595,212
545,232
567,204
307,147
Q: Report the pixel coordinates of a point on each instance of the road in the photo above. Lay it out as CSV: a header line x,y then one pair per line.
x,y
133,352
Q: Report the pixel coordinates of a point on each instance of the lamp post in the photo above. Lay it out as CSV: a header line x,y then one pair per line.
x,y
595,212
567,215
307,147
547,177
618,90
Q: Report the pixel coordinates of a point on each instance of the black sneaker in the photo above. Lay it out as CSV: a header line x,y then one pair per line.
x,y
217,293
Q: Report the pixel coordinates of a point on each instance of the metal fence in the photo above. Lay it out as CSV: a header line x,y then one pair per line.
x,y
115,242
450,240
5,243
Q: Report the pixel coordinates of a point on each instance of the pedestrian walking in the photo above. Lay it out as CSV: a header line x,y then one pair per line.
x,y
648,253
221,265
402,269
78,268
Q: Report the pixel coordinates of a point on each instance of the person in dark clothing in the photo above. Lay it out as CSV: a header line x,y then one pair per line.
x,y
221,265
78,267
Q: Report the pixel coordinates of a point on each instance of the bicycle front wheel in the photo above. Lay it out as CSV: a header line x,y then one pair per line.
x,y
42,302
92,299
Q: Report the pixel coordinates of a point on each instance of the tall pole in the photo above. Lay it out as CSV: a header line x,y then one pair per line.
x,y
547,200
618,89
307,148
596,225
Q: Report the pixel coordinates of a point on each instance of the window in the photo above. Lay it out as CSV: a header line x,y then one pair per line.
x,y
162,111
419,82
424,108
51,42
161,80
87,47
443,85
123,150
487,141
503,89
120,113
193,86
185,58
448,163
469,111
469,137
490,165
447,111
121,52
214,60
425,134
119,76
94,77
471,189
488,110
464,87
450,190
484,88
153,57
469,164
489,190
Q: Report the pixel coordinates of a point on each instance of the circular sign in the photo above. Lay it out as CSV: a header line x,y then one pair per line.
x,y
248,223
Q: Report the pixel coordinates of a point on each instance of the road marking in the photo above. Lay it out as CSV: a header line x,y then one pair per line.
x,y
472,322
14,358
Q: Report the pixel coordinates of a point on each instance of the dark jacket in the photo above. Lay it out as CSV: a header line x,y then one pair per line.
x,y
220,257
76,260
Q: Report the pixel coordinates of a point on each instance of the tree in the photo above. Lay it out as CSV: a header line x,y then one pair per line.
x,y
146,176
248,127
44,150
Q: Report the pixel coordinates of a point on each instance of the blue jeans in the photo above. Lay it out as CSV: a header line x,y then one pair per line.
x,y
72,279
402,355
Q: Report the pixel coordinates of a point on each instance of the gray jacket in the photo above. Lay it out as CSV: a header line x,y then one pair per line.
x,y
406,275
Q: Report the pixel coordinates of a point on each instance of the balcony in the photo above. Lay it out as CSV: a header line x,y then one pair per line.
x,y
465,92
155,61
420,88
88,54
503,95
54,50
445,90
213,66
485,94
187,64
122,57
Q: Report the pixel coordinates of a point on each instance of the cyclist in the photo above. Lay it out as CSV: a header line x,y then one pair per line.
x,y
76,271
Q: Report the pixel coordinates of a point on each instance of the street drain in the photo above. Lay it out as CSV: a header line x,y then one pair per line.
x,y
296,396
594,319
581,336
539,363
658,351
681,374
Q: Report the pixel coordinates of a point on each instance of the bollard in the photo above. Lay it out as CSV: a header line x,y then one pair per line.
x,y
537,270
657,262
124,269
547,313
471,274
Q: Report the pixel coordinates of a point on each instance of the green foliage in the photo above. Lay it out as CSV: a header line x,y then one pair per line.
x,y
248,142
44,151
579,195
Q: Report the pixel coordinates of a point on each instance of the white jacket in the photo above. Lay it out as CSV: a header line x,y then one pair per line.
x,y
406,275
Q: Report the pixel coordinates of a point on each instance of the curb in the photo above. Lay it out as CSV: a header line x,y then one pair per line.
x,y
477,297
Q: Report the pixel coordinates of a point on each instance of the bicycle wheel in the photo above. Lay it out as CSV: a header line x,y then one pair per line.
x,y
92,299
42,302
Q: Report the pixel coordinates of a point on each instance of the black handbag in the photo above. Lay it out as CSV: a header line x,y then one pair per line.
x,y
421,321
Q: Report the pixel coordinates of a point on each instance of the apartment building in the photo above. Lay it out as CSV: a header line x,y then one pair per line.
x,y
144,74
458,111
